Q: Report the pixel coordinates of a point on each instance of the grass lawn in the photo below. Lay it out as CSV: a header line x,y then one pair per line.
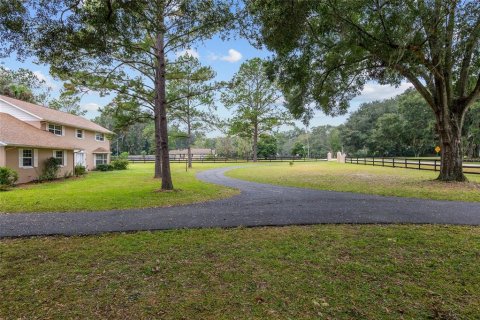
x,y
326,271
132,188
362,179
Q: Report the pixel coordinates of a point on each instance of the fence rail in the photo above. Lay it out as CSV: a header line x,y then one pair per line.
x,y
406,163
140,159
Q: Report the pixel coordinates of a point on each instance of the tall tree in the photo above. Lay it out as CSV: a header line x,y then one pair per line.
x,y
327,50
24,85
68,103
255,100
122,47
192,98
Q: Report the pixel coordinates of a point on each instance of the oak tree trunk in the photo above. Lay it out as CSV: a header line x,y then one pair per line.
x,y
450,131
161,112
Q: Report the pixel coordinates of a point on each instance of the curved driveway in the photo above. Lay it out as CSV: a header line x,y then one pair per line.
x,y
257,205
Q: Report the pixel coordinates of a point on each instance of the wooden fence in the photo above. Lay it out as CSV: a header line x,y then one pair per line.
x,y
406,163
150,159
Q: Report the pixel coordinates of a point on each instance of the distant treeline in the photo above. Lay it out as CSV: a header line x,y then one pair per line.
x,y
400,126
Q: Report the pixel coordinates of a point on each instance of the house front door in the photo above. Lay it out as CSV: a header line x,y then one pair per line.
x,y
80,159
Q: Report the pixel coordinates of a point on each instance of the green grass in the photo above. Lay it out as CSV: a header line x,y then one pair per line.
x,y
362,179
132,188
325,272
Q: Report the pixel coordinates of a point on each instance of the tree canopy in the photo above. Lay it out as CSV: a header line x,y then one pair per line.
x,y
255,101
326,51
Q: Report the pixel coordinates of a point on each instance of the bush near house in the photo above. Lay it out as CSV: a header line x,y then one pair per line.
x,y
80,170
8,177
120,164
50,172
104,167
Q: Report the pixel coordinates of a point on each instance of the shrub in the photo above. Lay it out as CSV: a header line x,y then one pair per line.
x,y
80,170
104,167
50,172
8,177
123,155
120,164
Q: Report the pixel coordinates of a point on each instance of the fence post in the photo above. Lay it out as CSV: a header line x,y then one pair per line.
x,y
435,164
373,161
405,162
365,160
393,161
419,166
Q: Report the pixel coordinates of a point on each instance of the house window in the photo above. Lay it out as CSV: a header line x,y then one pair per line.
x,y
79,133
27,158
55,129
59,155
101,158
99,136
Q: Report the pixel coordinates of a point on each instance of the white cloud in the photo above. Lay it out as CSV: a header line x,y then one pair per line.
x,y
49,82
374,91
91,107
190,52
233,56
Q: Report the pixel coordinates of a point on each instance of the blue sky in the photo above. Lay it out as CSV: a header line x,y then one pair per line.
x,y
225,57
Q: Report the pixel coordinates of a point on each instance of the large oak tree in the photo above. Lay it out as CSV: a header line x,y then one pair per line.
x,y
326,51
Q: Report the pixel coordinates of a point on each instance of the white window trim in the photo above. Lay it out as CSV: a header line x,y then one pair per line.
x,y
83,134
103,135
34,158
64,159
100,154
59,125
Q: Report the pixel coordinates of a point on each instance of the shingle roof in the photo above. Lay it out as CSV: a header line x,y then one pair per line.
x,y
56,116
101,150
14,132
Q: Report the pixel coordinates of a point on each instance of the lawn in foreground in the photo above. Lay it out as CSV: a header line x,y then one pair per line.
x,y
361,179
132,188
327,271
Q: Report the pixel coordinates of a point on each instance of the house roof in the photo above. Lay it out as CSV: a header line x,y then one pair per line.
x,y
14,132
101,150
195,151
55,116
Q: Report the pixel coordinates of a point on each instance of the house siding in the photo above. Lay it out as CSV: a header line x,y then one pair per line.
x,y
88,144
3,161
31,174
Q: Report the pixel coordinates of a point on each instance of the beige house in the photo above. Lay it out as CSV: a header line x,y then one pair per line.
x,y
30,134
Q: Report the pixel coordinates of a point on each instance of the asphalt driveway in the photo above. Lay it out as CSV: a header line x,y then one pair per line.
x,y
257,205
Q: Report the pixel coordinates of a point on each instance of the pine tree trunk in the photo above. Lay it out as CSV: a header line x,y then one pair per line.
x,y
255,142
450,132
161,110
189,133
158,147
